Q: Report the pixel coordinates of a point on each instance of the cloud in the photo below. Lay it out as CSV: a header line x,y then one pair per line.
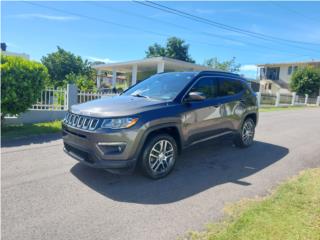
x,y
249,70
96,59
45,16
249,67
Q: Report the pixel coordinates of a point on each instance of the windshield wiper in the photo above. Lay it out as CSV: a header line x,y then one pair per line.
x,y
139,95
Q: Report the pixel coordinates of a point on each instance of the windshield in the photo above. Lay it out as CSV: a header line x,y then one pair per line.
x,y
165,86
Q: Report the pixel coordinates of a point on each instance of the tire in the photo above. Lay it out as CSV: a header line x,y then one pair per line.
x,y
244,138
155,162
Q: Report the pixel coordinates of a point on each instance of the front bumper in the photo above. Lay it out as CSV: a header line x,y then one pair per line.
x,y
93,147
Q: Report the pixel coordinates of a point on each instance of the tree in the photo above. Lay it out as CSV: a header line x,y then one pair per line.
x,y
61,63
306,81
156,50
22,82
175,48
230,65
82,81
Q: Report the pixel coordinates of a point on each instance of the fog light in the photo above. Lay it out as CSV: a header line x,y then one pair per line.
x,y
111,147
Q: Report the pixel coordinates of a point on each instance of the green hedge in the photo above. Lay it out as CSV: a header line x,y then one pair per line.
x,y
21,84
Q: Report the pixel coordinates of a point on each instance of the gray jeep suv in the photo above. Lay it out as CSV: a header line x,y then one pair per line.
x,y
153,121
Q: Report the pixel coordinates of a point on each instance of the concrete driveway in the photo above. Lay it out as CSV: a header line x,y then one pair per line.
x,y
48,195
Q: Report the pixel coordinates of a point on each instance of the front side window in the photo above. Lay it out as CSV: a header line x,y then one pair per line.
x,y
229,87
208,86
289,70
165,86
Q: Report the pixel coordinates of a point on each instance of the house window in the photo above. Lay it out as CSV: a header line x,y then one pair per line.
x,y
295,68
289,70
273,73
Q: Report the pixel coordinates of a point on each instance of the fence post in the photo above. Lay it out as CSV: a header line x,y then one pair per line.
x,y
293,100
318,101
72,95
259,98
306,99
277,99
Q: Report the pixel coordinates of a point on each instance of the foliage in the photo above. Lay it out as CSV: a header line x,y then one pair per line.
x,y
82,81
26,130
306,81
61,63
230,65
22,82
175,48
292,212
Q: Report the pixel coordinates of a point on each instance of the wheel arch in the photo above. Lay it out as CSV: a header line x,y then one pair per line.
x,y
171,129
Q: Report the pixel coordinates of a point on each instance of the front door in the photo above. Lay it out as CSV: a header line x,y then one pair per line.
x,y
201,119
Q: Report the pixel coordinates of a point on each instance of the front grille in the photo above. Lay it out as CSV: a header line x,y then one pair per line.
x,y
81,122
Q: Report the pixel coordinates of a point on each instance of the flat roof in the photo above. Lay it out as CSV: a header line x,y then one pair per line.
x,y
151,64
288,63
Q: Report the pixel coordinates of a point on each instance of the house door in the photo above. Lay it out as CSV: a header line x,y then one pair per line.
x,y
273,73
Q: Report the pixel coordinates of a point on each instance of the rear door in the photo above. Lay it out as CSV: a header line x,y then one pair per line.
x,y
231,96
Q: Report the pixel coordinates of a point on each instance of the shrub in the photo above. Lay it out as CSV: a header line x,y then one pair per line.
x,y
306,81
83,82
21,84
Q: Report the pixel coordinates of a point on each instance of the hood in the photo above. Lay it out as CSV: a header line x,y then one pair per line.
x,y
117,106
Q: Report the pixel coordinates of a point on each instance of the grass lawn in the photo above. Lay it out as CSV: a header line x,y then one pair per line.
x,y
291,212
25,130
271,108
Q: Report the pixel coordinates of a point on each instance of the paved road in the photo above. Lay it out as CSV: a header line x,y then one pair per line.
x,y
48,195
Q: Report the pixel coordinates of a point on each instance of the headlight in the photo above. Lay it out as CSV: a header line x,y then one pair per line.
x,y
117,123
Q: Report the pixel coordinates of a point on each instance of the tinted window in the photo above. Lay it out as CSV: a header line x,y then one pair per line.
x,y
228,87
289,70
207,86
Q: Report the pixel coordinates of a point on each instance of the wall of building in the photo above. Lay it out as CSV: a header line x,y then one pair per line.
x,y
36,116
283,74
23,55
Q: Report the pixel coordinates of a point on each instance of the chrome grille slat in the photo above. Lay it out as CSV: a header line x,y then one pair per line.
x,y
81,122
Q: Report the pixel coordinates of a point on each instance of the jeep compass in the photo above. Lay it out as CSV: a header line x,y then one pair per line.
x,y
153,121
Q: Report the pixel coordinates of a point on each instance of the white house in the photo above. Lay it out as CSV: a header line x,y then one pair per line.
x,y
276,77
23,55
137,70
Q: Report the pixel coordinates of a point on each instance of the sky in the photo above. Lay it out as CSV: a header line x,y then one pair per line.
x,y
122,31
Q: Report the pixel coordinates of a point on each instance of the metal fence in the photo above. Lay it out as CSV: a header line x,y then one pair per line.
x,y
268,99
285,99
61,99
300,100
51,99
312,100
88,96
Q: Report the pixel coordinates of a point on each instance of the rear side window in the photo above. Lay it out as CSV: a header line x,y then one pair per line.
x,y
208,86
229,87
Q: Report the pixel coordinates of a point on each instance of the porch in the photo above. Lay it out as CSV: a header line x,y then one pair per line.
x,y
139,70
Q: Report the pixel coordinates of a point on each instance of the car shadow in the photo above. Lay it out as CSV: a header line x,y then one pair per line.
x,y
23,141
198,168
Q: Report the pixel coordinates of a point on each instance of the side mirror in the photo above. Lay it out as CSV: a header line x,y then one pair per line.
x,y
195,97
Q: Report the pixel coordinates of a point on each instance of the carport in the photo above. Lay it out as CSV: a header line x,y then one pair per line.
x,y
147,67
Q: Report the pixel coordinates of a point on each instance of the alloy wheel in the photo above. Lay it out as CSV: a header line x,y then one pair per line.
x,y
247,132
161,157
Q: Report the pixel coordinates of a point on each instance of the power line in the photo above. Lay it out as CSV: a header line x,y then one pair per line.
x,y
223,26
190,29
118,24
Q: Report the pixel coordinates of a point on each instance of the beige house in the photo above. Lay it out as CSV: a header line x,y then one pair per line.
x,y
275,77
138,70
